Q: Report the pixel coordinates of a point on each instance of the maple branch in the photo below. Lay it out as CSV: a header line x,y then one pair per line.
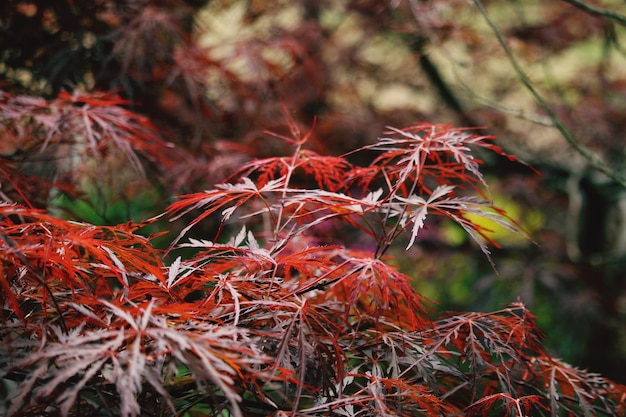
x,y
519,113
595,160
596,11
38,276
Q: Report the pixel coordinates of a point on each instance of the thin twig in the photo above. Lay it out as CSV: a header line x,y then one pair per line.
x,y
519,113
609,14
587,153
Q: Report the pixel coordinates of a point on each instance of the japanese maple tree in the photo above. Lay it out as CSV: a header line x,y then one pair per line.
x,y
198,227
269,317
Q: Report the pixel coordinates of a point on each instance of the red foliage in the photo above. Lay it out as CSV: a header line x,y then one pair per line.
x,y
290,304
276,320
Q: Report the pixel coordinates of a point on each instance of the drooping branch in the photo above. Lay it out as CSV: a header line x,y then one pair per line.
x,y
594,159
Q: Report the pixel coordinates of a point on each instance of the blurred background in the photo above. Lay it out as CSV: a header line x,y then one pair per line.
x,y
546,78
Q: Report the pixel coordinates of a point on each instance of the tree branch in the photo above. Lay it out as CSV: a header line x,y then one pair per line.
x,y
587,153
596,11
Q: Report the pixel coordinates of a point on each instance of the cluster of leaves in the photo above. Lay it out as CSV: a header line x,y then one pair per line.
x,y
88,148
270,317
279,296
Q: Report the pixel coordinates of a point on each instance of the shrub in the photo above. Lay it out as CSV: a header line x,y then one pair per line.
x,y
274,314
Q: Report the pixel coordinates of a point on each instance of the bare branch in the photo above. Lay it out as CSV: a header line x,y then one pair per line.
x,y
594,159
596,11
